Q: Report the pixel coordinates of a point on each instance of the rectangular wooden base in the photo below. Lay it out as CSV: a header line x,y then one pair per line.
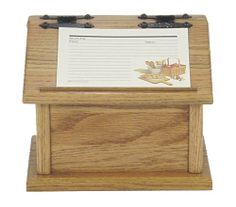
x,y
116,181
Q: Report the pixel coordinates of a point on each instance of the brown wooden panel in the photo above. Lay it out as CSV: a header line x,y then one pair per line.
x,y
117,180
110,139
41,62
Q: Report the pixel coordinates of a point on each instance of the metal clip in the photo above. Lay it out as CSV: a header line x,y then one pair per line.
x,y
48,17
165,21
47,25
65,21
164,17
165,25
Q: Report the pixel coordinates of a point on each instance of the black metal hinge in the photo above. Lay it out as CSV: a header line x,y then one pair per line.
x,y
66,21
165,21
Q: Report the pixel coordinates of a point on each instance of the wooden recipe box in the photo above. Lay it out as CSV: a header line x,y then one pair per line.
x,y
116,138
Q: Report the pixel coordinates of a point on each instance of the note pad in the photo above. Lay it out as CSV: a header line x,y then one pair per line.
x,y
123,58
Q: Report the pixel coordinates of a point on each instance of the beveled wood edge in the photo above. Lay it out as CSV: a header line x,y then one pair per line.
x,y
109,181
114,102
118,89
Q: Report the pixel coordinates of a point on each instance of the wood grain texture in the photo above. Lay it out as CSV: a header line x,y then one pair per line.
x,y
43,139
106,139
117,181
41,63
104,89
195,139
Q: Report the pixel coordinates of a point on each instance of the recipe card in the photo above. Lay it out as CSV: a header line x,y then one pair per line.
x,y
123,58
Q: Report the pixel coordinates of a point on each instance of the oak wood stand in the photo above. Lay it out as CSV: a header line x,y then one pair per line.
x,y
116,138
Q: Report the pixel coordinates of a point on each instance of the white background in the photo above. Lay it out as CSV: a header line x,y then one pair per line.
x,y
17,121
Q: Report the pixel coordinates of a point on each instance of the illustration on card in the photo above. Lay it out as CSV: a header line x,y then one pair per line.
x,y
166,71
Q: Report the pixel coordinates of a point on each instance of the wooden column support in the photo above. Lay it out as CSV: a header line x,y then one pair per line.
x,y
43,139
195,139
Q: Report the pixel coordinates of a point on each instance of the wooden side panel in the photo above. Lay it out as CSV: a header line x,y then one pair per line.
x,y
110,139
43,139
195,139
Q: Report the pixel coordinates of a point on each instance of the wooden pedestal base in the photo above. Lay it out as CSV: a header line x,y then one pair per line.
x,y
116,181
